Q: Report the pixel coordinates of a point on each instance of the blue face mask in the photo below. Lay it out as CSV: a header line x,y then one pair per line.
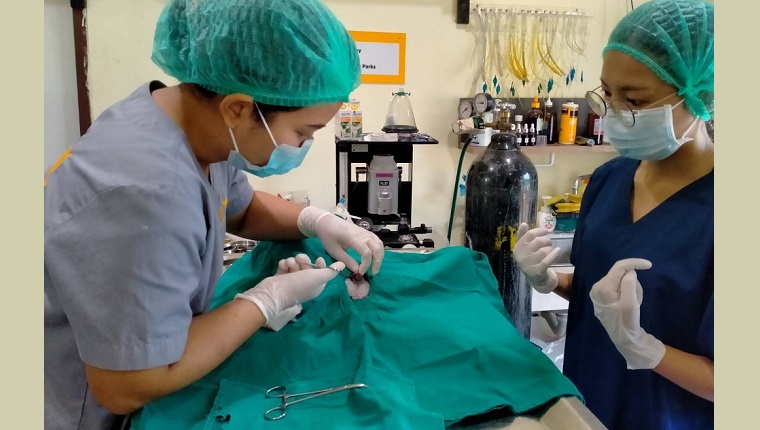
x,y
284,158
652,136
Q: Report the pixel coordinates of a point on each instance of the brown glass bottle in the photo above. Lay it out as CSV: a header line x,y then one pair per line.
x,y
550,122
535,116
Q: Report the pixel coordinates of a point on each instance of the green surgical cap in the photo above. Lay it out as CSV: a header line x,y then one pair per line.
x,y
280,52
674,38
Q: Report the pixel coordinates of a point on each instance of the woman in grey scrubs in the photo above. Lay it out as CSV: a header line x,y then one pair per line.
x,y
136,211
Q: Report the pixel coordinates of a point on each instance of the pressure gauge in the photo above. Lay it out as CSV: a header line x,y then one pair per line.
x,y
482,102
465,109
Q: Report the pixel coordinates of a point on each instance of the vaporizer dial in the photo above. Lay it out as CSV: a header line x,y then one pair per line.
x,y
482,102
465,109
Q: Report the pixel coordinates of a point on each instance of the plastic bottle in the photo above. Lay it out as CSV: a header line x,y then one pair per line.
x,y
340,209
568,123
597,130
518,133
546,217
550,122
535,116
532,135
518,123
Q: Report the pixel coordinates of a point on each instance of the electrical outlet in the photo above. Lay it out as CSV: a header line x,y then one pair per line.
x,y
463,11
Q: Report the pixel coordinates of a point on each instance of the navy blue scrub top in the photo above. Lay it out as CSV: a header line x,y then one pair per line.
x,y
678,238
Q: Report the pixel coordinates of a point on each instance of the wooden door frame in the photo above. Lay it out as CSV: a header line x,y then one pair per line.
x,y
80,60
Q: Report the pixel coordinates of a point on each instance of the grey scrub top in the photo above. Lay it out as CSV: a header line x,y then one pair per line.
x,y
134,235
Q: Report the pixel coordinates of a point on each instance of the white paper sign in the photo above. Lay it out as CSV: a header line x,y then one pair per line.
x,y
378,58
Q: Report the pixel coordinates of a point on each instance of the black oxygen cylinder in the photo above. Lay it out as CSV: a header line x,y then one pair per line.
x,y
502,192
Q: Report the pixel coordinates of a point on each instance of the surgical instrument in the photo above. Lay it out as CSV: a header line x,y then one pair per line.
x,y
321,267
281,392
354,276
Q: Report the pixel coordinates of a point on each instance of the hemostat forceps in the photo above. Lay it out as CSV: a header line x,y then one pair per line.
x,y
281,392
356,277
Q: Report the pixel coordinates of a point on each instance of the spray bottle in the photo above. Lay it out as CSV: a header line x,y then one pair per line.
x,y
546,217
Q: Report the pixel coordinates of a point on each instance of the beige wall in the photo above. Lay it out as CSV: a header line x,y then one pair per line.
x,y
439,70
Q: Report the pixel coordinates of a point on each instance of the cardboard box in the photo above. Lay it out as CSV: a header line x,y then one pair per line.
x,y
348,120
356,123
342,121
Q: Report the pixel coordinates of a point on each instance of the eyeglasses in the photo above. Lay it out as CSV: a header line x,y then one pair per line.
x,y
622,111
619,108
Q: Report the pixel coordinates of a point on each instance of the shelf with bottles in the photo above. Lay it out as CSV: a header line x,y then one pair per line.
x,y
559,148
552,150
555,148
567,149
521,115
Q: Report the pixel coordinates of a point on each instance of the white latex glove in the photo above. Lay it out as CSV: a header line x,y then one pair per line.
x,y
290,287
280,320
337,236
534,254
617,300
291,265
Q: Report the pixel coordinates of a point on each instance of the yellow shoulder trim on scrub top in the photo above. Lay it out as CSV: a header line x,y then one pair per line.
x,y
55,165
222,210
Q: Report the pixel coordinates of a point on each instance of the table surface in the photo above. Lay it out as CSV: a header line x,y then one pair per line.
x,y
568,413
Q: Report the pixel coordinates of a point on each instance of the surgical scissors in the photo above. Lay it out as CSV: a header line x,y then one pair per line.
x,y
281,392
